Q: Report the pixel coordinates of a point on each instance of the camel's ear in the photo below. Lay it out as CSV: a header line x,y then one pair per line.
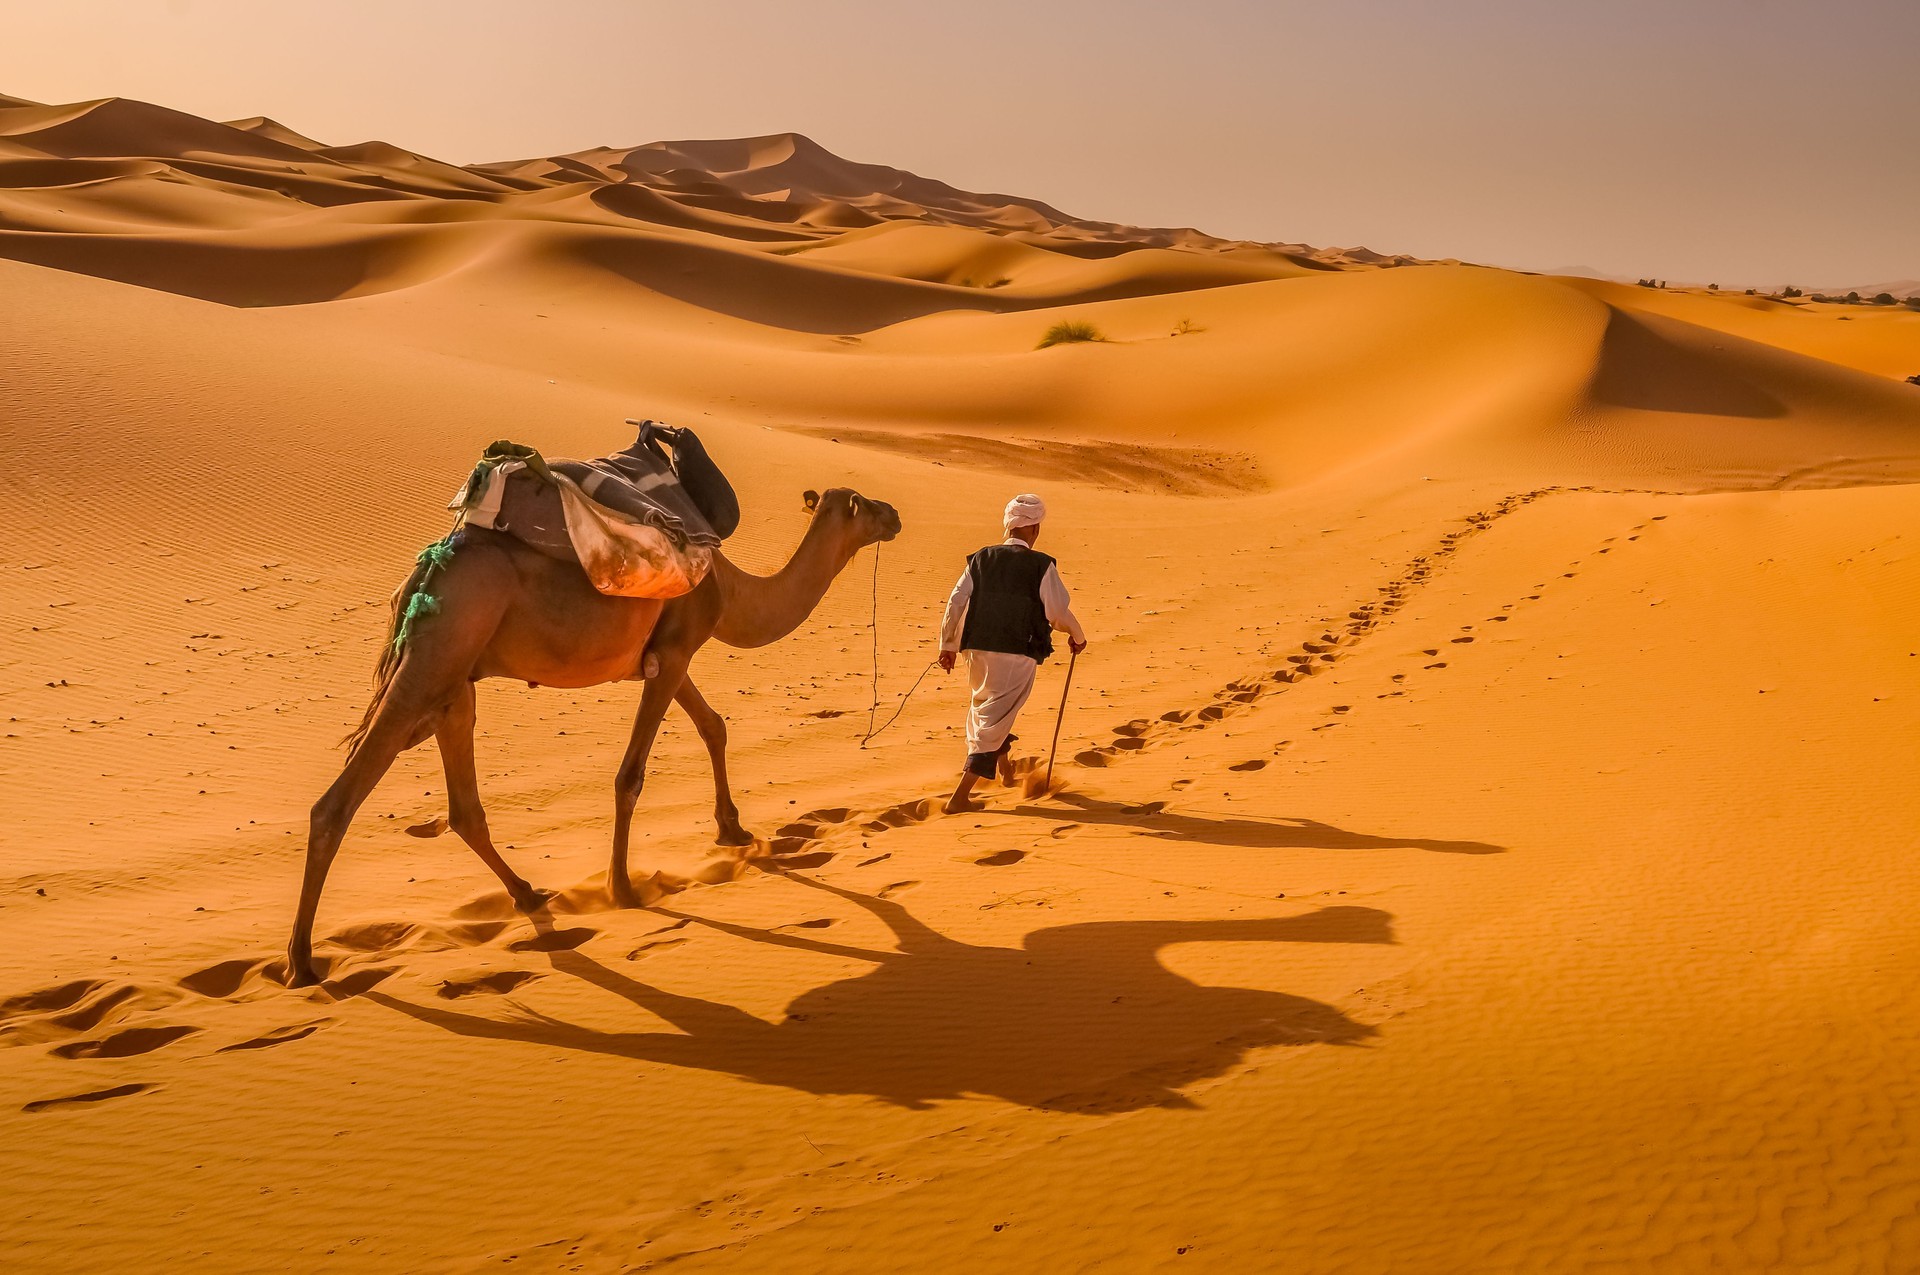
x,y
853,504
810,499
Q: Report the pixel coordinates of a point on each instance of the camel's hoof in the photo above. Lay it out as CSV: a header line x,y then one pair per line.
x,y
624,897
533,900
300,974
735,837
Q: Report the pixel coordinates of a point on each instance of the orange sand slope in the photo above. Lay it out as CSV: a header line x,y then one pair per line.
x,y
1485,819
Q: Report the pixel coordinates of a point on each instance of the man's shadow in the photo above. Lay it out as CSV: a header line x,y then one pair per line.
x,y
1080,1018
1153,819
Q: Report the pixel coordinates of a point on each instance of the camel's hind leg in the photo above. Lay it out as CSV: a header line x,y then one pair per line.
x,y
401,723
432,671
465,813
713,733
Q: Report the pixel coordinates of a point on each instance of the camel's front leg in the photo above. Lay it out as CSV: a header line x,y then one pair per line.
x,y
466,815
654,701
713,733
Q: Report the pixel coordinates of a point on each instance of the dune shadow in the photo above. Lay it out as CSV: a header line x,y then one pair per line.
x,y
1256,834
1080,1018
1647,370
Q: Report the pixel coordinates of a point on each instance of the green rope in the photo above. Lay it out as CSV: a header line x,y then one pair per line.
x,y
436,555
420,603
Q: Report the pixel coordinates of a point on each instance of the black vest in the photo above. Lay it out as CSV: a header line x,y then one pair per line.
x,y
1005,612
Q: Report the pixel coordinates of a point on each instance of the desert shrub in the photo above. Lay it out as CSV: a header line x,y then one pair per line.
x,y
1853,298
1883,298
1914,300
1186,326
1750,291
1068,331
1713,287
1792,292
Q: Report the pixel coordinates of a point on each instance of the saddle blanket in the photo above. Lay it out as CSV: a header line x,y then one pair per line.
x,y
624,518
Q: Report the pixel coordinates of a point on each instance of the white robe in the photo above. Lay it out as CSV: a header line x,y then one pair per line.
x,y
1000,681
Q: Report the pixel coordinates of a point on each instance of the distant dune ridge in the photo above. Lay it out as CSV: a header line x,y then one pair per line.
x,y
1483,837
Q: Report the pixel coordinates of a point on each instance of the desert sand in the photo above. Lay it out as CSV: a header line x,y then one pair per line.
x,y
1485,820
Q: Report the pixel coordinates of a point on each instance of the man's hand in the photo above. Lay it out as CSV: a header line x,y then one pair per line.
x,y
946,661
1076,647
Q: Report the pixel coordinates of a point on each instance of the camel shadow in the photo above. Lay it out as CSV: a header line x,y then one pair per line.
x,y
1258,834
1080,1018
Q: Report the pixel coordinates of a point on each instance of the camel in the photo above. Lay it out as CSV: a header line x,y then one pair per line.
x,y
506,610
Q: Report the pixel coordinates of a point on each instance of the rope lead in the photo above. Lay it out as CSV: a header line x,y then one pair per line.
x,y
873,626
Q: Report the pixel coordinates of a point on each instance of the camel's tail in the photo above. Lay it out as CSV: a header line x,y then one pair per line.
x,y
411,602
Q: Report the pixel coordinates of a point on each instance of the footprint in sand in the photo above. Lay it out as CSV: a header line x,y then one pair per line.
x,y
496,984
129,1043
278,1036
818,923
1459,640
474,933
553,940
1062,830
92,1095
898,887
654,945
220,981
1004,859
391,936
818,859
878,858
431,828
1258,763
345,987
46,999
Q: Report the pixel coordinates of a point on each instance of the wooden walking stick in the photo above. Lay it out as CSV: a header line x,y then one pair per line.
x,y
1072,658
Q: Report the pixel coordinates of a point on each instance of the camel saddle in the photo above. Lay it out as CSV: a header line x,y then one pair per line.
x,y
640,523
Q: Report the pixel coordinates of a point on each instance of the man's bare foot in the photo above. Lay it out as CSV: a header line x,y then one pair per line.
x,y
960,805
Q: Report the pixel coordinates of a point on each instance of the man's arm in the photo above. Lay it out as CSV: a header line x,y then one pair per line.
x,y
1053,596
954,622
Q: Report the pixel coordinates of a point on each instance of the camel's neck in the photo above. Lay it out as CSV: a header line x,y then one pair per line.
x,y
756,610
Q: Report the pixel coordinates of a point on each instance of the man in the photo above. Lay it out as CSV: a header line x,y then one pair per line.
x,y
1002,614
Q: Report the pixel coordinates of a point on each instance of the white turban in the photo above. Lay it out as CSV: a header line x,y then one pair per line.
x,y
1024,511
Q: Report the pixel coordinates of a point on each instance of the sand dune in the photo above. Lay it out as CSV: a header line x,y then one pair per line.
x,y
1482,837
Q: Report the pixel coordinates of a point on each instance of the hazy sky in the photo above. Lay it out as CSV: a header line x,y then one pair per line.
x,y
1731,141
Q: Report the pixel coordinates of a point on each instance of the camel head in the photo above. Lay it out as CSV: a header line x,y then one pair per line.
x,y
864,521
